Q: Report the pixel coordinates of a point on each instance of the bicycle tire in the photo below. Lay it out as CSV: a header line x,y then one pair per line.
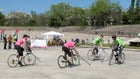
x,y
62,62
12,60
75,60
29,59
91,55
123,58
111,61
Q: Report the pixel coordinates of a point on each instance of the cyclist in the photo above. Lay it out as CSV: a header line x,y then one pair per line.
x,y
97,42
20,45
118,45
66,48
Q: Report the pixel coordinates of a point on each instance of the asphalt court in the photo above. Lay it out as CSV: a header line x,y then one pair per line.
x,y
48,68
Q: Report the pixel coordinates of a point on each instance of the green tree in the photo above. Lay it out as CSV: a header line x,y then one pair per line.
x,y
131,10
58,13
2,19
63,14
137,12
102,11
32,22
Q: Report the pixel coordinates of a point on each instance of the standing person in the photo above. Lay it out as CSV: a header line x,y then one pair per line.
x,y
5,41
98,42
14,39
9,41
66,48
20,46
118,45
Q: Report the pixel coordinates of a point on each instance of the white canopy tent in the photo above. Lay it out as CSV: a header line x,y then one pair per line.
x,y
52,33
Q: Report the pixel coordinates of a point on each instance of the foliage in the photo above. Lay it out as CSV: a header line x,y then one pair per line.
x,y
2,18
100,14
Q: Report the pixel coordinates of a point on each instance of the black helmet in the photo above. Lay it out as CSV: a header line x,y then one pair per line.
x,y
25,36
114,36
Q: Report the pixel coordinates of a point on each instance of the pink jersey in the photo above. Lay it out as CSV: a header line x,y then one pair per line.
x,y
69,44
19,42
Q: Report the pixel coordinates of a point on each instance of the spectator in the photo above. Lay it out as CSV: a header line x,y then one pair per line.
x,y
14,39
9,41
5,41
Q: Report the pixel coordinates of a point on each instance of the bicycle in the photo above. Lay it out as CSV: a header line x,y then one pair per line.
x,y
93,55
62,60
116,58
28,59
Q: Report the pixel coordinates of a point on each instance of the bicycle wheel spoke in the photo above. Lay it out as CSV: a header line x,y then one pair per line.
x,y
29,59
12,60
91,55
122,58
112,59
76,60
62,62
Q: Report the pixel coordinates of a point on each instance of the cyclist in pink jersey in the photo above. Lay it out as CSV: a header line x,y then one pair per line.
x,y
66,48
20,45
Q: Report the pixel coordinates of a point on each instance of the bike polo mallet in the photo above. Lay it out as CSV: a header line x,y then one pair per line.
x,y
85,60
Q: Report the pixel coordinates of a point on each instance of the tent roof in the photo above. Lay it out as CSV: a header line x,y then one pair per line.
x,y
53,33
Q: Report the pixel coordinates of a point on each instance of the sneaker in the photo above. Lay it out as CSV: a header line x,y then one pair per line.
x,y
116,57
119,62
20,63
71,65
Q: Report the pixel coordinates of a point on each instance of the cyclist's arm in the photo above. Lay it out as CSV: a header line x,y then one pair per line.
x,y
24,45
74,48
101,45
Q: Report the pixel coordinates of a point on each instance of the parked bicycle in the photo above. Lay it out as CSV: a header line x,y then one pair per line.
x,y
116,58
62,60
93,55
28,59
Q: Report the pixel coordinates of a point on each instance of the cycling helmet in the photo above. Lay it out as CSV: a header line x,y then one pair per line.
x,y
114,36
25,36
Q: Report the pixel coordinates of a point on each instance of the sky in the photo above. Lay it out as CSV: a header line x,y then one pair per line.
x,y
41,6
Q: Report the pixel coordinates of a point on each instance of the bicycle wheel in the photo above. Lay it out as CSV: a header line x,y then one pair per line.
x,y
76,60
112,59
122,59
29,59
62,61
12,60
103,57
91,55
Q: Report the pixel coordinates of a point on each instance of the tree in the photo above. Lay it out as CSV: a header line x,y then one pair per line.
x,y
58,13
131,10
2,18
137,12
100,12
17,19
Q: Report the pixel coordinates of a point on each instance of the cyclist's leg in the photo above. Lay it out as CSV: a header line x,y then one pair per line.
x,y
115,49
69,56
20,54
120,51
97,50
67,52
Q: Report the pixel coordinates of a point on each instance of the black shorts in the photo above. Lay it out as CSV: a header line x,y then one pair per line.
x,y
67,51
19,50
